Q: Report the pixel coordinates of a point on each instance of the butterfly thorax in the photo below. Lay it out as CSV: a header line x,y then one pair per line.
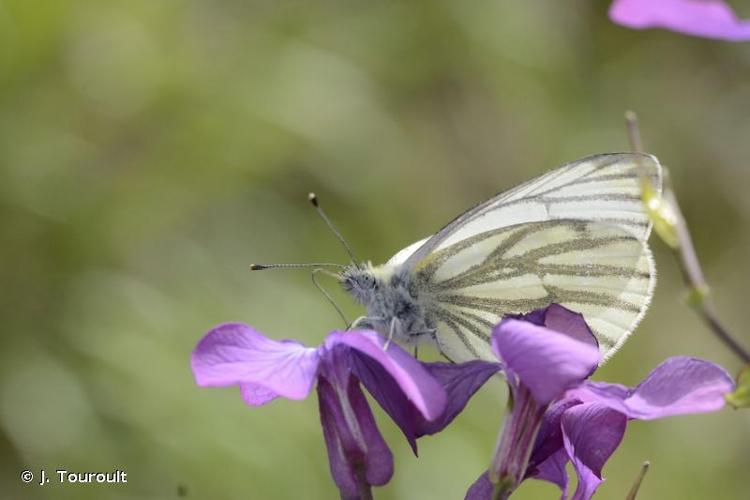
x,y
392,299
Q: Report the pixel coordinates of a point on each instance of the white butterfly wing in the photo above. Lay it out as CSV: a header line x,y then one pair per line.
x,y
404,253
523,249
604,188
598,269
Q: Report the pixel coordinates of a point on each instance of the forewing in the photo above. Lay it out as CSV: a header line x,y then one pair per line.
x,y
598,269
601,188
404,253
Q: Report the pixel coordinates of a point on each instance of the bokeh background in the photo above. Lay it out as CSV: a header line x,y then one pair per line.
x,y
150,151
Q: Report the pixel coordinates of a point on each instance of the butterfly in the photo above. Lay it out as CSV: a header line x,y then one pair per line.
x,y
575,236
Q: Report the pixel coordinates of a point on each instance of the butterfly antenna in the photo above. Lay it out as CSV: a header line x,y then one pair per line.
x,y
314,200
327,295
262,267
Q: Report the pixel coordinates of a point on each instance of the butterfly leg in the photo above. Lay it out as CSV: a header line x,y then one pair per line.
x,y
395,323
416,336
441,350
366,320
356,322
326,294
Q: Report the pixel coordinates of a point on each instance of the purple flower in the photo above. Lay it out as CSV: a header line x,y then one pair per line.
x,y
236,354
459,381
558,416
704,18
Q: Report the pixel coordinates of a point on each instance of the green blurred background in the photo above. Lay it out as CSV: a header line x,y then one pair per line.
x,y
151,150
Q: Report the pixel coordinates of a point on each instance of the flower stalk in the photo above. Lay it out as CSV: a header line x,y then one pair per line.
x,y
520,428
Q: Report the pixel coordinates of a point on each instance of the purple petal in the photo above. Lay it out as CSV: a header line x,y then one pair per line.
x,y
544,360
256,395
678,386
553,471
460,382
591,433
549,440
562,320
234,353
705,18
481,489
605,390
570,323
357,452
612,395
407,375
331,419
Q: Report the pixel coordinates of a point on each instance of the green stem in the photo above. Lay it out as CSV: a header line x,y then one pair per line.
x,y
503,489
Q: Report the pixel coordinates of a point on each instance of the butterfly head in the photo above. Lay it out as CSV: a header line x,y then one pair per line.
x,y
361,281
